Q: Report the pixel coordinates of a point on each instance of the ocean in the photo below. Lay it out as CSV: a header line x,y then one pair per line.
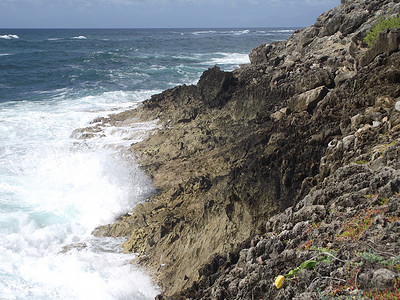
x,y
56,189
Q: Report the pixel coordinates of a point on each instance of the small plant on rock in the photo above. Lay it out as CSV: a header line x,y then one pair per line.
x,y
358,224
383,201
373,257
307,265
382,25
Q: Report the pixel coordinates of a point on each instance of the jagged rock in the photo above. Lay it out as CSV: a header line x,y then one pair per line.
x,y
344,75
307,101
280,114
216,87
261,169
386,42
266,53
385,102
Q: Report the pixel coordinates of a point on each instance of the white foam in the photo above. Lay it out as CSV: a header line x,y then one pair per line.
x,y
9,36
108,275
234,59
55,190
241,32
110,102
5,54
204,32
283,30
80,37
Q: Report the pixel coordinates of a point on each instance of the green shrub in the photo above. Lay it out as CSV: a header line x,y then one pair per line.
x,y
382,25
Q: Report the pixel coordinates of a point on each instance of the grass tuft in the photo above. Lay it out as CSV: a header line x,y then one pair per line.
x,y
382,25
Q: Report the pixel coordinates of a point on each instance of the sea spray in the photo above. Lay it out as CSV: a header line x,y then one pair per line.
x,y
54,191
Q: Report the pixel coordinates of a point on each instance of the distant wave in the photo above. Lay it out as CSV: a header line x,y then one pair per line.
x,y
282,30
204,32
224,32
81,37
240,32
54,39
5,54
9,36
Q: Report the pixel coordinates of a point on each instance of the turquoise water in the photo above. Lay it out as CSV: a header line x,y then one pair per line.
x,y
55,189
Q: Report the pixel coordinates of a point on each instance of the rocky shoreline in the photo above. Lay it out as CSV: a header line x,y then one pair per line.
x,y
289,159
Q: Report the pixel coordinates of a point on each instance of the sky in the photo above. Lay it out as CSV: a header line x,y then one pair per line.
x,y
160,13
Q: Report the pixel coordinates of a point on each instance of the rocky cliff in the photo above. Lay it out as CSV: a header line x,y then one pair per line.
x,y
289,159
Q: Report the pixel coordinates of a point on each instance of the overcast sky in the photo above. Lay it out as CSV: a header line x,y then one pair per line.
x,y
160,13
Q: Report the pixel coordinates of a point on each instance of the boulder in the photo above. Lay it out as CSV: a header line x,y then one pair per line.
x,y
216,87
307,101
383,278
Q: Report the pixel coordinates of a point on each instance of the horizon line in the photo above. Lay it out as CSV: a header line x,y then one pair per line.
x,y
130,28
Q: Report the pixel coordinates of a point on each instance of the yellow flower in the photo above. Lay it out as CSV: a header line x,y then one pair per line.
x,y
278,281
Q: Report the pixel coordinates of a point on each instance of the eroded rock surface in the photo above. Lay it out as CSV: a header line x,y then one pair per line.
x,y
263,168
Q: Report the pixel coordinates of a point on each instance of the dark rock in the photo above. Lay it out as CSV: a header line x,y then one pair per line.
x,y
216,87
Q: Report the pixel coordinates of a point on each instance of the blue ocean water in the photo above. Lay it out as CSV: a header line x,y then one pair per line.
x,y
55,189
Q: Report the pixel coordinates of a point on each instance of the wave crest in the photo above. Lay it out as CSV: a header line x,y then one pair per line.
x,y
9,36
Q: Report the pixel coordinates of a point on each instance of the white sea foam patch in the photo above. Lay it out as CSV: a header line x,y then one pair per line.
x,y
62,195
53,192
240,32
88,273
111,102
233,59
88,186
9,36
204,32
283,30
80,37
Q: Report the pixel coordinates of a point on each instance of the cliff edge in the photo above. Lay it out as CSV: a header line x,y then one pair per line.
x,y
289,159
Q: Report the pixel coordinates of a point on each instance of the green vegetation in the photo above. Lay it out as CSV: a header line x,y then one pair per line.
x,y
308,265
383,201
382,25
358,224
373,257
